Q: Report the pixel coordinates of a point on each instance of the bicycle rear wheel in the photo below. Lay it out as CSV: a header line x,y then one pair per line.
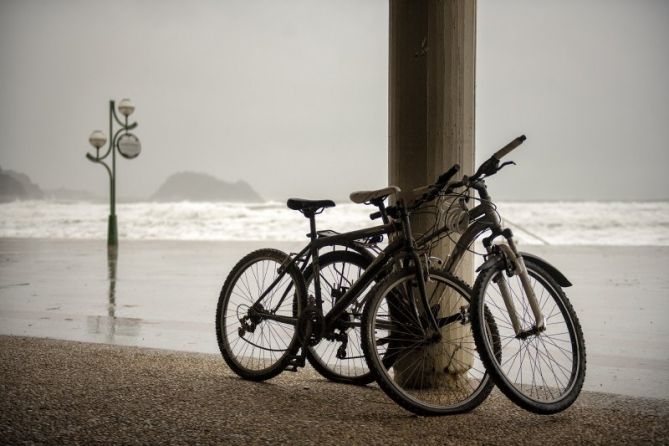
x,y
541,372
340,358
253,345
425,375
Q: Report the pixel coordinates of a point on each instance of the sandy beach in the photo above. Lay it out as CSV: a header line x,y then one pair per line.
x,y
162,294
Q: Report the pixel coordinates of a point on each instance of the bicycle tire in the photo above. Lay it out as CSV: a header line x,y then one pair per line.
x,y
563,337
353,368
266,352
460,386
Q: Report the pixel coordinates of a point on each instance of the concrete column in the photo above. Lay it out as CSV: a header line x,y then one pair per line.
x,y
431,89
431,105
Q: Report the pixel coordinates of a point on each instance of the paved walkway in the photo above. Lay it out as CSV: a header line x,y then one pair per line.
x,y
163,294
59,392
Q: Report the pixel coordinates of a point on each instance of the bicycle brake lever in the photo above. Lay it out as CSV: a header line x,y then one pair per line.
x,y
505,164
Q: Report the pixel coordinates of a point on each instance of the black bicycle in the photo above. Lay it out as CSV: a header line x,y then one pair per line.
x,y
266,352
267,321
525,329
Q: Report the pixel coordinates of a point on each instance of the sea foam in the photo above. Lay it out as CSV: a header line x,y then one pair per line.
x,y
554,223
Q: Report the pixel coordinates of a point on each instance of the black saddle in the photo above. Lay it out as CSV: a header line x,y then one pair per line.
x,y
308,206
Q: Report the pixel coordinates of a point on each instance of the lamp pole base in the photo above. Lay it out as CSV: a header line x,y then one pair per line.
x,y
112,232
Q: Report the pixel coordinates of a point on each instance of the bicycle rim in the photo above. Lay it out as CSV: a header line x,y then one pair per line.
x,y
428,378
256,347
544,372
338,271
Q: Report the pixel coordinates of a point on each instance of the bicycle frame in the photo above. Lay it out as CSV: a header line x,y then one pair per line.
x,y
380,262
484,217
311,252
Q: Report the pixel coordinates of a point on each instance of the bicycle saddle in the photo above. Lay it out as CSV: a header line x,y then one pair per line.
x,y
300,204
365,196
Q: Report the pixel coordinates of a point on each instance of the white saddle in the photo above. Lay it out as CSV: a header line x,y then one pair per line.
x,y
365,196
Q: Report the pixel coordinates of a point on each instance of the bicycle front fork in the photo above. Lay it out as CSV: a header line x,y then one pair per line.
x,y
516,261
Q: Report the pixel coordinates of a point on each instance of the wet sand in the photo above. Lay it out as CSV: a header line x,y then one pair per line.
x,y
163,294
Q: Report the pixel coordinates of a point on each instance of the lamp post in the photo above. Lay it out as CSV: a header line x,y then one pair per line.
x,y
128,146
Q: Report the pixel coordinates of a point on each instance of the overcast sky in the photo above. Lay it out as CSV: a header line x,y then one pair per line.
x,y
291,96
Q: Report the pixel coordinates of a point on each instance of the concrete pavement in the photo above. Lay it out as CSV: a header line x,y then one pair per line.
x,y
61,392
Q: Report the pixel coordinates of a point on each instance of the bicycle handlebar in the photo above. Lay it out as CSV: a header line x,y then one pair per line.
x,y
432,191
487,168
491,166
509,147
444,177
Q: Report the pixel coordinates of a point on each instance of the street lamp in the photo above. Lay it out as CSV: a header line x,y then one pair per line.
x,y
128,146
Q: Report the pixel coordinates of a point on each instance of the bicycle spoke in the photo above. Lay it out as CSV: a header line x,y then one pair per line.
x,y
542,366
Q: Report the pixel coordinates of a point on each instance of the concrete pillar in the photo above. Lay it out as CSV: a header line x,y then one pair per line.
x,y
431,89
431,103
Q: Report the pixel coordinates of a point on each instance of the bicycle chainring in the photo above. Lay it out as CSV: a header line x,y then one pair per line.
x,y
311,324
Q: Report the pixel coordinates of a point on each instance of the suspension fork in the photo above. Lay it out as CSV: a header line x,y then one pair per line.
x,y
511,254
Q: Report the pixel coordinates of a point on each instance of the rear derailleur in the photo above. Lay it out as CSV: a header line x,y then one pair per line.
x,y
252,319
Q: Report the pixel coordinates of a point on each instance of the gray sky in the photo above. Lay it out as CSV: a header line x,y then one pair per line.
x,y
292,96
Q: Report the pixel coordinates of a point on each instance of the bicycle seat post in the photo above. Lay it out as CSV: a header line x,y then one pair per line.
x,y
379,202
311,215
313,235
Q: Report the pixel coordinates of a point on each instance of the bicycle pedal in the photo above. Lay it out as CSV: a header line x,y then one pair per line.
x,y
294,363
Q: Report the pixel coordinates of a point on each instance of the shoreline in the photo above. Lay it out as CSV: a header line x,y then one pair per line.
x,y
102,241
162,294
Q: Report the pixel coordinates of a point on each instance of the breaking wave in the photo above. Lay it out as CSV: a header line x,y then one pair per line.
x,y
554,223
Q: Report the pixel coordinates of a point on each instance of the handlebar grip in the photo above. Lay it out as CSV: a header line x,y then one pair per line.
x,y
509,147
375,215
444,177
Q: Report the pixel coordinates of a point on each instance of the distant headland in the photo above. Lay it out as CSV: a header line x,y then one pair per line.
x,y
192,186
182,186
17,186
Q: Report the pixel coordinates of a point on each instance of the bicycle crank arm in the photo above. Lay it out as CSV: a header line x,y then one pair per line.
x,y
349,324
275,317
444,321
427,341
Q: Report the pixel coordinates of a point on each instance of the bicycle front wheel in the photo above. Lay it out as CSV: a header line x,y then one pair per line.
x,y
543,371
254,344
425,374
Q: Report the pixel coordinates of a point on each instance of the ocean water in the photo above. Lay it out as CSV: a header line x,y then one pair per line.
x,y
554,223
